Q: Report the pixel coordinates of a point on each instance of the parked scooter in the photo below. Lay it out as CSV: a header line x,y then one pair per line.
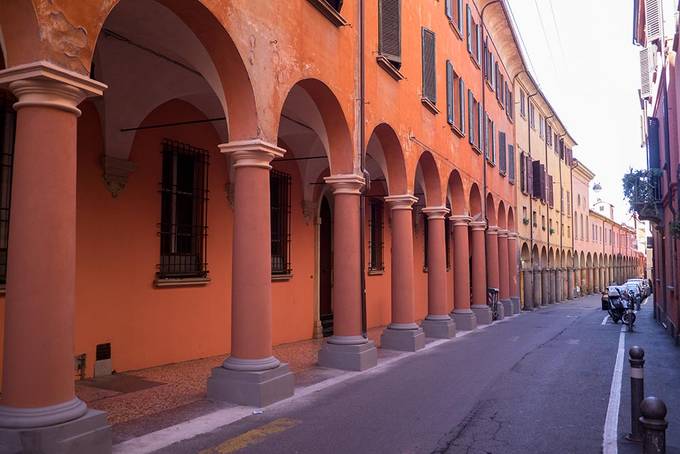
x,y
619,303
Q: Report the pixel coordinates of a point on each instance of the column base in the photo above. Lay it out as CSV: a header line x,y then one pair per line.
x,y
256,388
500,312
515,305
507,308
87,434
482,313
405,340
465,319
439,328
355,357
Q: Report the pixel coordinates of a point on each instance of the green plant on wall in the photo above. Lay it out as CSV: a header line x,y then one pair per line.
x,y
674,228
641,189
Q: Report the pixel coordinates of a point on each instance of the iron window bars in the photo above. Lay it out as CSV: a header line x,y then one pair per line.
x,y
7,130
279,190
184,208
375,240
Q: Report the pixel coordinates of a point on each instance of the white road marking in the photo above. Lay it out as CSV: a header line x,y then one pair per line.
x,y
605,319
611,422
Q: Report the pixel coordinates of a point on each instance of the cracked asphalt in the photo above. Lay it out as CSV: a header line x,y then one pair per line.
x,y
536,383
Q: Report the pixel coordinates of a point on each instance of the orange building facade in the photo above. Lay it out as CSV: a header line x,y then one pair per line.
x,y
189,178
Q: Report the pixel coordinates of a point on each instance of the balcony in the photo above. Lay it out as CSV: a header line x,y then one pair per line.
x,y
643,190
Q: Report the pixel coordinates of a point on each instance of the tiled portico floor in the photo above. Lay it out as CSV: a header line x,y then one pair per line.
x,y
142,393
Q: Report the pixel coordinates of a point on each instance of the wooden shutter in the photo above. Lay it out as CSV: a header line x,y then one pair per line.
x,y
543,183
654,20
461,104
551,195
645,72
653,157
522,172
448,9
511,163
536,179
502,153
390,30
449,93
468,27
479,43
429,73
471,118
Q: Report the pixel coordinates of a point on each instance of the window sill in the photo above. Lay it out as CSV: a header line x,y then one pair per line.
x,y
430,105
329,12
476,149
491,163
457,31
503,173
474,61
488,83
181,282
282,277
376,272
389,67
457,131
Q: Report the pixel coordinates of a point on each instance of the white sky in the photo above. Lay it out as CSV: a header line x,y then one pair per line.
x,y
584,60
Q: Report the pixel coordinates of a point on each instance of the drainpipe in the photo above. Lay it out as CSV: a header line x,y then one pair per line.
x,y
364,173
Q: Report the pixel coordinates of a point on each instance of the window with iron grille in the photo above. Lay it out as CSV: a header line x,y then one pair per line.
x,y
375,241
184,210
279,191
7,129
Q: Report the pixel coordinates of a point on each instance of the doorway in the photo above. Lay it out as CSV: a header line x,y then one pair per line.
x,y
326,268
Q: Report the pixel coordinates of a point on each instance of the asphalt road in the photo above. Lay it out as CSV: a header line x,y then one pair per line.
x,y
537,383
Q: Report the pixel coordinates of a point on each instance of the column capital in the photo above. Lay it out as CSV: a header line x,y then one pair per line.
x,y
436,212
349,183
401,202
478,225
44,84
460,219
502,233
492,230
251,153
512,235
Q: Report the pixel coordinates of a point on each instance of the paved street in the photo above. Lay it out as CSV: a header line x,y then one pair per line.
x,y
535,383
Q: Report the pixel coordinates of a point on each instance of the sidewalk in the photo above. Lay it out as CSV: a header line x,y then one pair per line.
x,y
142,401
662,378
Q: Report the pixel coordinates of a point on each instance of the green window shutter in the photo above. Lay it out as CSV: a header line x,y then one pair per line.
x,y
468,27
390,30
449,93
429,73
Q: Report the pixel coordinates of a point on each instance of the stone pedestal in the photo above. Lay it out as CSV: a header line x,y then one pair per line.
x,y
439,328
234,383
407,339
358,355
465,319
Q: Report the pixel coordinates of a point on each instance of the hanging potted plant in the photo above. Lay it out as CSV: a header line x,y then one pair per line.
x,y
525,221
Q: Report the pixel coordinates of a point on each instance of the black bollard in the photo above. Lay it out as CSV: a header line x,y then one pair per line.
x,y
636,357
654,423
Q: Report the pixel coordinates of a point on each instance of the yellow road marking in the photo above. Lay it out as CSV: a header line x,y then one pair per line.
x,y
252,436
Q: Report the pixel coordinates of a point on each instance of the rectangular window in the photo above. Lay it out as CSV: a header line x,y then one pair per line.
x,y
7,130
279,190
522,173
503,160
471,117
550,191
522,103
534,219
184,203
450,102
468,28
429,73
548,134
389,20
509,105
511,164
375,240
454,12
459,102
541,126
532,115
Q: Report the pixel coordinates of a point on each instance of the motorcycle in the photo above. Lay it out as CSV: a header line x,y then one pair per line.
x,y
621,307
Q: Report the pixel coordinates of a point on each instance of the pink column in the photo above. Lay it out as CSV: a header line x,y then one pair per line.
x,y
438,323
347,349
479,269
37,380
492,262
462,314
251,375
403,333
513,268
504,272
